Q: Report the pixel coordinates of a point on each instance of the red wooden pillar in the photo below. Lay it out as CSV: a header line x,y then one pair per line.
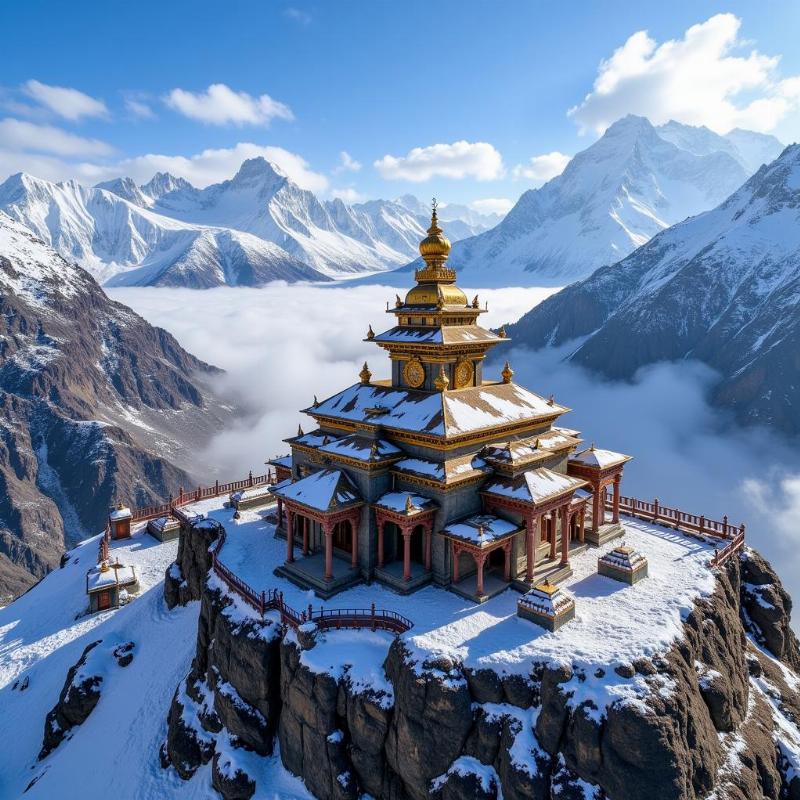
x,y
280,511
381,523
530,545
306,526
455,552
582,531
552,524
406,553
354,541
428,546
480,560
565,534
326,527
598,507
507,561
617,481
289,536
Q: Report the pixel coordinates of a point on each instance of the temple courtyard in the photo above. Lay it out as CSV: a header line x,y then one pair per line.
x,y
615,624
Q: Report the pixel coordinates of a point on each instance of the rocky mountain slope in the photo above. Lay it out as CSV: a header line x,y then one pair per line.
x,y
95,403
634,182
722,287
124,244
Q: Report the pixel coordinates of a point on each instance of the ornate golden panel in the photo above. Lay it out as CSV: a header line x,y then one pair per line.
x,y
463,374
414,373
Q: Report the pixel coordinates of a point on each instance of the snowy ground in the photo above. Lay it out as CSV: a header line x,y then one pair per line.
x,y
115,752
615,624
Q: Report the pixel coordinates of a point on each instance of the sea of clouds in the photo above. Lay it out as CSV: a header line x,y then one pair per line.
x,y
281,345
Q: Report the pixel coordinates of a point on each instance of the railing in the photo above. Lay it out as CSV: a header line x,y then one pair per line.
x,y
653,511
325,618
200,493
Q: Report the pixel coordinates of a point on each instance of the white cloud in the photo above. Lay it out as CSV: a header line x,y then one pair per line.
x,y
348,195
220,105
138,108
297,15
542,168
479,160
697,80
346,163
492,205
20,136
68,103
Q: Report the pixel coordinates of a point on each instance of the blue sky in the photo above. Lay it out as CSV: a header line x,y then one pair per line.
x,y
490,83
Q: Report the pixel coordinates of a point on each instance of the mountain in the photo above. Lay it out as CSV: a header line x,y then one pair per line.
x,y
331,236
95,403
722,287
111,231
749,148
612,197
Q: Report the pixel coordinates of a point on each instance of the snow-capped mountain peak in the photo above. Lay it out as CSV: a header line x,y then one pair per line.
x,y
163,183
613,197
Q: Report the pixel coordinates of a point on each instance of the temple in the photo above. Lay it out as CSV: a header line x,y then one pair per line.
x,y
440,475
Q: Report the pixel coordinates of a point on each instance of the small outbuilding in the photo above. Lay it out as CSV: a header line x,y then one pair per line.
x,y
107,583
164,529
547,605
119,521
623,564
251,498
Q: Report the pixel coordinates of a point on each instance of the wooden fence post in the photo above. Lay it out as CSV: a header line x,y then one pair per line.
x,y
372,610
655,509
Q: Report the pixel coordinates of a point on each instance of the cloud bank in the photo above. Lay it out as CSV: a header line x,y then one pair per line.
x,y
478,160
698,79
221,105
542,168
282,345
64,101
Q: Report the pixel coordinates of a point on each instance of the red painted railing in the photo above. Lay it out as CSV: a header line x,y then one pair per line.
x,y
653,511
325,618
200,493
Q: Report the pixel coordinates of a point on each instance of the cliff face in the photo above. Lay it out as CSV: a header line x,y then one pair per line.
x,y
708,720
92,399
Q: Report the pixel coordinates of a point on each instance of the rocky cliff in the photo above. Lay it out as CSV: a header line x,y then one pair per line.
x,y
711,718
95,404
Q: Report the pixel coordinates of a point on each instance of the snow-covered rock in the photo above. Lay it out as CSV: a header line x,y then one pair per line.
x,y
722,287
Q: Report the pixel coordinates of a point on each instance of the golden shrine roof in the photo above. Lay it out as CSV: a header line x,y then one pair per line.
x,y
535,486
445,414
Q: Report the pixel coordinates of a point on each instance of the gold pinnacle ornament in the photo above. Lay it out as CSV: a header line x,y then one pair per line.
x,y
365,374
442,381
507,373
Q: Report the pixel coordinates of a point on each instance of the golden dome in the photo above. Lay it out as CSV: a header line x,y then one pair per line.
x,y
429,294
435,247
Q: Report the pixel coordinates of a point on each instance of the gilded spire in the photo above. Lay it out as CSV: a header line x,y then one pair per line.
x,y
442,381
299,430
370,333
434,249
507,373
365,374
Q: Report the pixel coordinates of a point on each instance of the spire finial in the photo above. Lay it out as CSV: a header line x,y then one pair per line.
x,y
370,333
507,373
300,430
365,374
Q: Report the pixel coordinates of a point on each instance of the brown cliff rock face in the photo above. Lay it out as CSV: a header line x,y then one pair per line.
x,y
185,578
769,608
706,723
77,373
